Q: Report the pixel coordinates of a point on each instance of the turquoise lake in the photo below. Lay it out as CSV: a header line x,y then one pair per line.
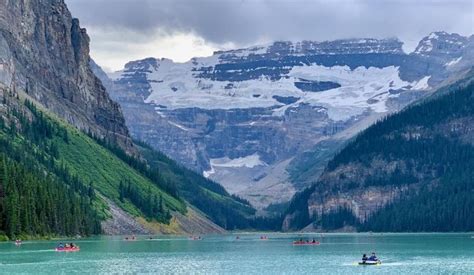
x,y
337,254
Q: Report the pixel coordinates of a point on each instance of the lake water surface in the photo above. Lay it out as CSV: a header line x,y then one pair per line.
x,y
337,254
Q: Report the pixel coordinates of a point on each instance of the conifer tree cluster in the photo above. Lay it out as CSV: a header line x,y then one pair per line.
x,y
38,195
151,206
32,204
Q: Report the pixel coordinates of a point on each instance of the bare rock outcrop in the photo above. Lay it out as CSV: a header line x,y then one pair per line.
x,y
45,52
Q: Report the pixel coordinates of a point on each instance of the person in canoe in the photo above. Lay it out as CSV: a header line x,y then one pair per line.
x,y
364,258
67,247
373,257
300,241
372,260
313,241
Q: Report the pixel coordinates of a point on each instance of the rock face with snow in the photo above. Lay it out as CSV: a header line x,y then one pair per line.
x,y
450,50
442,45
248,117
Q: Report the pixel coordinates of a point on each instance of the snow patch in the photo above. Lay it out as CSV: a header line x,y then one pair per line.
x,y
422,84
433,35
453,62
424,47
178,126
208,173
260,49
250,161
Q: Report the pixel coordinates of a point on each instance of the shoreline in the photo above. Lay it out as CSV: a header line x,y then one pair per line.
x,y
236,233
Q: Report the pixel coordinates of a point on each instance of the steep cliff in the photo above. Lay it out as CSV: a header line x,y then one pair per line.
x,y
45,52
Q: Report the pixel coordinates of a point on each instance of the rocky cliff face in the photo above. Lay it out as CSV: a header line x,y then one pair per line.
x,y
252,118
45,53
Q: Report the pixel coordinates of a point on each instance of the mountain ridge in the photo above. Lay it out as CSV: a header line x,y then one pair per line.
x,y
272,104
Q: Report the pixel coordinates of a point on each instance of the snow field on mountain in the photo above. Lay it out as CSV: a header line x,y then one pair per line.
x,y
176,85
250,161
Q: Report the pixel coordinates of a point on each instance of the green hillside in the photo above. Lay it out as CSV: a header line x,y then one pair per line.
x,y
148,185
95,163
39,147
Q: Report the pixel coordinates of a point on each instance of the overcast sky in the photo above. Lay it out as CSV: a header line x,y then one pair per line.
x,y
124,30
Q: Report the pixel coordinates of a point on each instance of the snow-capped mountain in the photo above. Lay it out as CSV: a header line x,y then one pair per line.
x,y
247,117
442,44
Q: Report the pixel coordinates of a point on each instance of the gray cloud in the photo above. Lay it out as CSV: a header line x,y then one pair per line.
x,y
246,22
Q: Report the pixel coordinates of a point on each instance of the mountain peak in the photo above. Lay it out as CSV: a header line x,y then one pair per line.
x,y
309,47
141,65
441,44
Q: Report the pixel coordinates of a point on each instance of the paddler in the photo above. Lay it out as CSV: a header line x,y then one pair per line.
x,y
373,257
364,258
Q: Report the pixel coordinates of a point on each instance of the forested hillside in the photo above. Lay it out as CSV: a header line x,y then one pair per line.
x,y
34,205
39,196
41,149
412,171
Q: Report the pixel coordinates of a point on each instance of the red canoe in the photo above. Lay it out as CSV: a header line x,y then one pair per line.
x,y
69,249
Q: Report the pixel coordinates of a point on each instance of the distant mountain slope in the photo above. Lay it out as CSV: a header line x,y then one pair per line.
x,y
251,118
212,199
412,171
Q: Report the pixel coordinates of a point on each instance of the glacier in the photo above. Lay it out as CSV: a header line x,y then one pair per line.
x,y
249,118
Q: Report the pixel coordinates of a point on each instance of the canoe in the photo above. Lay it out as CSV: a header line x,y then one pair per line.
x,y
73,249
370,263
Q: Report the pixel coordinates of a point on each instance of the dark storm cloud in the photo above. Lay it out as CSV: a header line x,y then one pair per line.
x,y
124,30
246,21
